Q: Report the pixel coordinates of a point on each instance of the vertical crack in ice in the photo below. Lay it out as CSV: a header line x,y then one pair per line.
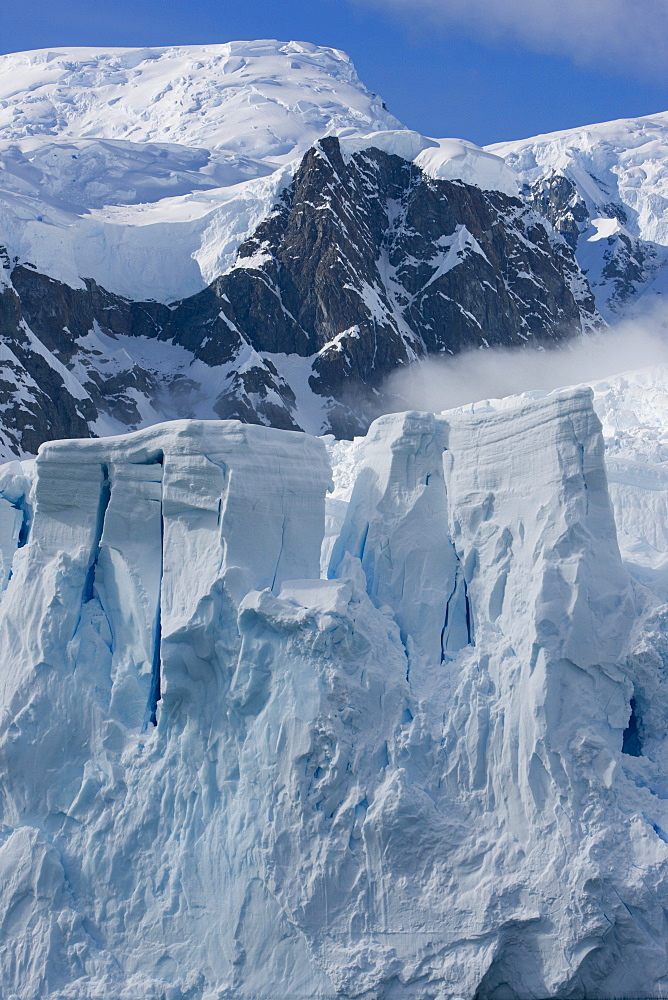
x,y
363,542
631,742
151,713
23,506
444,630
580,448
105,496
24,531
154,694
581,451
280,555
452,605
469,615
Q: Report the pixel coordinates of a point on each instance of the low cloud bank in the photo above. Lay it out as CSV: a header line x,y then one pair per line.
x,y
629,35
439,384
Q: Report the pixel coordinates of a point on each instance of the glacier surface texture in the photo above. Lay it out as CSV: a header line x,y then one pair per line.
x,y
402,739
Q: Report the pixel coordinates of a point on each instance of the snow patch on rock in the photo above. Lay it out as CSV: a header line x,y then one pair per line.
x,y
442,159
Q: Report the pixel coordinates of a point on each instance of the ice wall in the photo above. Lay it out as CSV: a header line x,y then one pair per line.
x,y
224,776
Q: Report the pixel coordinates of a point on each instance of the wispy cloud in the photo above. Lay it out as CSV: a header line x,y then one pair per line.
x,y
439,384
631,35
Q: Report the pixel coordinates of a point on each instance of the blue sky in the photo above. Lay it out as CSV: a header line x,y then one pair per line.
x,y
486,70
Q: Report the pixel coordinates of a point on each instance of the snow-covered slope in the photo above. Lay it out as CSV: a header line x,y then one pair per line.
x,y
146,168
613,205
196,95
435,771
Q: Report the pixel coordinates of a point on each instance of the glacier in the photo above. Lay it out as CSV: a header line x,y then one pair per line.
x,y
287,717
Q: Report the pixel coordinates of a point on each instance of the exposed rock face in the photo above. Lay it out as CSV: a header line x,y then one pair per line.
x,y
556,198
36,400
364,264
369,264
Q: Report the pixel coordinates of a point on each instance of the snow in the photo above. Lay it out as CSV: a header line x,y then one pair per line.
x,y
620,171
145,169
198,95
624,161
442,159
633,409
233,775
605,228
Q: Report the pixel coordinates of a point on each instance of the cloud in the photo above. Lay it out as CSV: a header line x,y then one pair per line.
x,y
616,34
439,384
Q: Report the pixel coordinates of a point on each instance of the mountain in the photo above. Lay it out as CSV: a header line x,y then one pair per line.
x,y
433,768
605,189
144,169
244,231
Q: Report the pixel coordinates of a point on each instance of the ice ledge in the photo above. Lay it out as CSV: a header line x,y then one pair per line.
x,y
180,437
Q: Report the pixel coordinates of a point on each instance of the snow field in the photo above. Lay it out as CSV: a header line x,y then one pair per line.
x,y
620,173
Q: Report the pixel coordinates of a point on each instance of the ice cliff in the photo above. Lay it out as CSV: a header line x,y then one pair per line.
x,y
432,769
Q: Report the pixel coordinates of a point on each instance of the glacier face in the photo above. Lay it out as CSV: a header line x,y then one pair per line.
x,y
434,768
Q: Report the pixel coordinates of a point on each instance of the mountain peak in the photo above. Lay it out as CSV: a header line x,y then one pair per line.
x,y
256,98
